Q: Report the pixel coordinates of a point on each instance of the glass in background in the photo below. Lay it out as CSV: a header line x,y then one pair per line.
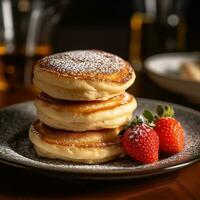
x,y
156,26
25,36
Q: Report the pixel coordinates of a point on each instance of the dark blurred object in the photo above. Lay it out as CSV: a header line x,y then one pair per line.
x,y
157,26
193,21
25,36
106,25
96,24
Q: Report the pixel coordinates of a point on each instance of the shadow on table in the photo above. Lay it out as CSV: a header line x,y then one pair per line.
x,y
23,184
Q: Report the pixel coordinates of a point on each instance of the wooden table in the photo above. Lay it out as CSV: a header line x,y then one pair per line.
x,y
16,183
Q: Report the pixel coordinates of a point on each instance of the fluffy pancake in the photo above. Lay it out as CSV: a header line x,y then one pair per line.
x,y
85,115
87,147
83,75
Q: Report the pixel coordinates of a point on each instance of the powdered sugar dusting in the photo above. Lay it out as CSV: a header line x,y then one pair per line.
x,y
139,131
83,61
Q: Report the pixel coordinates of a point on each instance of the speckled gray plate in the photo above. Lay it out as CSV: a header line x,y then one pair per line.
x,y
16,149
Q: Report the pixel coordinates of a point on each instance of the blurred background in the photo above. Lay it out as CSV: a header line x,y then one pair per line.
x,y
132,29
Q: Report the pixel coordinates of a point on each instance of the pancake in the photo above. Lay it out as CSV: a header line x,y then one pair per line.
x,y
85,115
83,75
88,147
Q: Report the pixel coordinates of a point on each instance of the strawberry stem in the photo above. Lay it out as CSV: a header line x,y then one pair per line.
x,y
161,111
149,117
137,120
166,111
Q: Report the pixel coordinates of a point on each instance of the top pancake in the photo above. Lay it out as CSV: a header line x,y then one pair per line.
x,y
86,75
87,65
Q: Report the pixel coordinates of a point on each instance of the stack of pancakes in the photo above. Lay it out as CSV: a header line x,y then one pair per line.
x,y
83,105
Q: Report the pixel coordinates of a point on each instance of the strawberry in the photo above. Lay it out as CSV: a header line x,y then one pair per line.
x,y
141,143
169,130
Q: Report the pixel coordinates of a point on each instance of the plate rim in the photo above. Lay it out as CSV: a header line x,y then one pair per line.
x,y
114,172
103,176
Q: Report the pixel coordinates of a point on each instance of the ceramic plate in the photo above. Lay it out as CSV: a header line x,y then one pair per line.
x,y
164,69
16,149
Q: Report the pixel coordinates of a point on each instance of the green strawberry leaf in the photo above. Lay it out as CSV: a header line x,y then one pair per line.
x,y
160,110
166,111
148,115
137,120
169,111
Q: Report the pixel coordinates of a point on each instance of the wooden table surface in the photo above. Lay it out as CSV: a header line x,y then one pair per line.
x,y
17,183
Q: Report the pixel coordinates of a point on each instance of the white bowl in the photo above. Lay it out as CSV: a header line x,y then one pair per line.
x,y
163,69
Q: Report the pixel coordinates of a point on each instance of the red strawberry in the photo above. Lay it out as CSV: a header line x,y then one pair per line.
x,y
169,130
141,143
171,135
